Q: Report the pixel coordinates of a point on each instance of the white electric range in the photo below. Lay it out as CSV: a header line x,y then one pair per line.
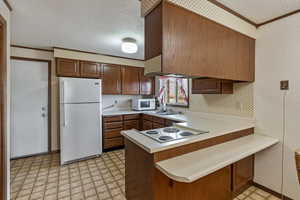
x,y
171,133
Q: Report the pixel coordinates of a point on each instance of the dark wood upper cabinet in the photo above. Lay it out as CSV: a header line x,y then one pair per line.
x,y
153,35
212,86
192,45
67,67
147,84
111,79
130,80
90,69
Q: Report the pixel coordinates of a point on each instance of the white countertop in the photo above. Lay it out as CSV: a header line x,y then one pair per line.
x,y
217,125
192,166
179,117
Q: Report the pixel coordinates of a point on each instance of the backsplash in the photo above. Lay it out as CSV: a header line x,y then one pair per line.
x,y
240,103
123,102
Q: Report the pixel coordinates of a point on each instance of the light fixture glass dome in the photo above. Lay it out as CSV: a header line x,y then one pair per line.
x,y
129,45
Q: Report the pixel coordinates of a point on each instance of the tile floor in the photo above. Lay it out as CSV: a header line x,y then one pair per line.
x,y
102,178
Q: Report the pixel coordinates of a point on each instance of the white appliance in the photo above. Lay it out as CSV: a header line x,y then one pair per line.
x,y
143,104
168,134
80,119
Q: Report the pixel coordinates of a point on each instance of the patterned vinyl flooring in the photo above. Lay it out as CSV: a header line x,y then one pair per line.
x,y
102,178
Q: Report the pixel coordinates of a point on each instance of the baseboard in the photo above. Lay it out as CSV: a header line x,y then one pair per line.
x,y
276,194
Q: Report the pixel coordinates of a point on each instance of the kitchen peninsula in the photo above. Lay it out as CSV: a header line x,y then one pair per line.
x,y
215,165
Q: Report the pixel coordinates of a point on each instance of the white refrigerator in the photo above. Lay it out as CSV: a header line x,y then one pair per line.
x,y
80,119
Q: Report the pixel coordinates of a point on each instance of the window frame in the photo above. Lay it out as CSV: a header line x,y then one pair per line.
x,y
188,95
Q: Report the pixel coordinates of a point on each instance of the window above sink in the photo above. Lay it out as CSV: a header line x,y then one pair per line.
x,y
174,91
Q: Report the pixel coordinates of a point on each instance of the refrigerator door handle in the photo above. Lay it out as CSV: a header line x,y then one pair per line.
x,y
64,115
63,103
63,91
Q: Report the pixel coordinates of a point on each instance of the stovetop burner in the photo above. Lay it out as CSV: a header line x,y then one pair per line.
x,y
165,138
171,130
152,132
172,133
186,133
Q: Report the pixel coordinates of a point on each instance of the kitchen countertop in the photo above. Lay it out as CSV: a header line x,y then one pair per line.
x,y
177,117
217,125
192,166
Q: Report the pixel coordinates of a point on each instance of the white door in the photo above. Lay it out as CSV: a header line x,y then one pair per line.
x,y
29,108
80,90
80,131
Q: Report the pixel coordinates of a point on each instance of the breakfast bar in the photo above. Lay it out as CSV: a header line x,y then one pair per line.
x,y
218,164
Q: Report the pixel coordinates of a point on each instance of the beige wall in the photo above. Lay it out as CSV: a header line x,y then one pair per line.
x,y
44,55
240,103
4,12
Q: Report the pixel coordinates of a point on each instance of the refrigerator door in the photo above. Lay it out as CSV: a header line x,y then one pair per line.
x,y
80,131
79,90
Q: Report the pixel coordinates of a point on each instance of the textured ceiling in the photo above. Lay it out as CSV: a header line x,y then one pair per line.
x,y
88,25
260,11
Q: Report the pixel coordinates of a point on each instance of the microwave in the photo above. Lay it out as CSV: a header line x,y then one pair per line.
x,y
143,104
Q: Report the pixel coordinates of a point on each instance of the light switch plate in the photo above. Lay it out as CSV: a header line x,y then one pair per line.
x,y
284,85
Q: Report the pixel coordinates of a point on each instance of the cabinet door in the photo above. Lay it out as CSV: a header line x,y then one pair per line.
x,y
132,124
153,33
67,67
157,125
111,79
243,172
146,84
147,125
130,80
90,69
212,86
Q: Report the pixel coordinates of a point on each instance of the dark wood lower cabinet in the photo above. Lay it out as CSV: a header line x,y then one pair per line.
x,y
131,124
216,186
147,125
112,127
242,174
143,181
113,142
158,125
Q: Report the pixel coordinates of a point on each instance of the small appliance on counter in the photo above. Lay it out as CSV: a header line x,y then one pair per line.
x,y
171,133
143,104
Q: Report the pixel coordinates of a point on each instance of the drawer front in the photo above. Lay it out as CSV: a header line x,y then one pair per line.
x,y
113,142
112,133
131,124
130,117
113,125
147,117
113,118
158,120
158,125
147,125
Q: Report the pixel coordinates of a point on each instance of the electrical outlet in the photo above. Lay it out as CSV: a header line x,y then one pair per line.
x,y
284,85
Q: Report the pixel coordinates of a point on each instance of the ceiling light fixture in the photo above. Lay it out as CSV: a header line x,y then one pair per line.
x,y
129,45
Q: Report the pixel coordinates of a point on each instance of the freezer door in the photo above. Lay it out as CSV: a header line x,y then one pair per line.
x,y
79,90
80,131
